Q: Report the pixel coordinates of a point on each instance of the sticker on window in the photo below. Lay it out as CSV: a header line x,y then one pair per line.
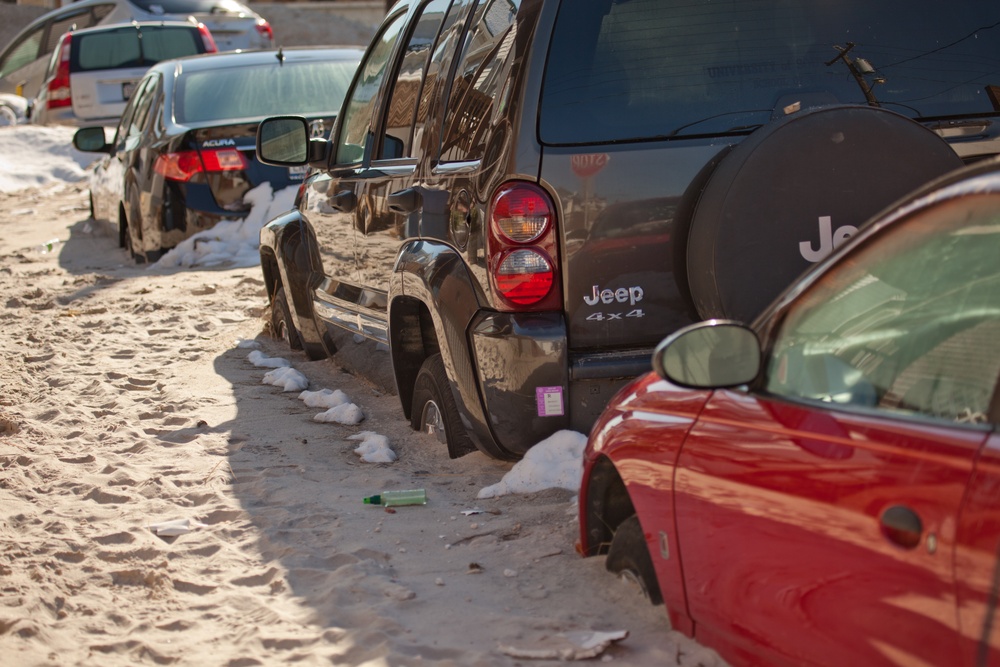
x,y
549,401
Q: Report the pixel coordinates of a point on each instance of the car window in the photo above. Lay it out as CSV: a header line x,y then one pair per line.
x,y
188,6
25,51
143,103
477,80
356,118
113,49
908,324
436,75
401,113
65,23
303,88
630,69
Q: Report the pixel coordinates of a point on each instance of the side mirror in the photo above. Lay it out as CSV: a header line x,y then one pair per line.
x,y
283,141
91,140
709,355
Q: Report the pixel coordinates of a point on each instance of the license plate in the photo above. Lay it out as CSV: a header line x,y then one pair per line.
x,y
298,173
127,89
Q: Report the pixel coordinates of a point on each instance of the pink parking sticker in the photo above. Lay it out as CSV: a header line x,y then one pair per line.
x,y
550,401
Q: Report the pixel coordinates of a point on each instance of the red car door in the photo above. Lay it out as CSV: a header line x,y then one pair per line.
x,y
820,510
841,527
977,561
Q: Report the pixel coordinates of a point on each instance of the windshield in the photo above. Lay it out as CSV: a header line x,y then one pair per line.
x,y
301,88
631,69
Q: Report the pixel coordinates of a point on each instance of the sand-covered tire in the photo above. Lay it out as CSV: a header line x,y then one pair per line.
x,y
434,410
628,557
282,325
792,191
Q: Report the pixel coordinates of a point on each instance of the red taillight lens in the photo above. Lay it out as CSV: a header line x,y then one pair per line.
x,y
179,166
207,39
183,165
524,276
522,248
58,87
264,28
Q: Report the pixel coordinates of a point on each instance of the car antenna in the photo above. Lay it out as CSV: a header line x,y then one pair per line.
x,y
280,55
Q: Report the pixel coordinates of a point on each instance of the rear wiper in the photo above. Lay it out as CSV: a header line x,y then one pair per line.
x,y
736,129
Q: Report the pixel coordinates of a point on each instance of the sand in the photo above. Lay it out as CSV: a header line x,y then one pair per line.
x,y
128,401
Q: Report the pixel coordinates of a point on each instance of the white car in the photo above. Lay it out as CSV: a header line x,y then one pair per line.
x,y
23,60
93,71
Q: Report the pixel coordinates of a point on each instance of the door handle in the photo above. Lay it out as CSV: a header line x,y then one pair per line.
x,y
344,201
404,201
902,526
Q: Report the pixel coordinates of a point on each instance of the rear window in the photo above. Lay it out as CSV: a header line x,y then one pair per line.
x,y
187,6
633,69
301,88
115,49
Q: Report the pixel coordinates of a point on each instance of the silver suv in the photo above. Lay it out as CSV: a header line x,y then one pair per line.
x,y
92,72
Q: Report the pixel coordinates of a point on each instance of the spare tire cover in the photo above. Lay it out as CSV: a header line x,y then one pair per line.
x,y
792,191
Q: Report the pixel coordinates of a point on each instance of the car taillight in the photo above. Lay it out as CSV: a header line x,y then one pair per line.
x,y
264,28
207,39
58,86
183,165
522,248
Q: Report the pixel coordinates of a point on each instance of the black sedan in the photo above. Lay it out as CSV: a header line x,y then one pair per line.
x,y
183,156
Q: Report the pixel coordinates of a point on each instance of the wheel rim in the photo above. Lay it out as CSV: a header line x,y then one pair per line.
x,y
281,330
7,117
432,422
633,580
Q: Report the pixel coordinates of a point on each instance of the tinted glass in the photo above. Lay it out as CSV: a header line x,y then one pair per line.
x,y
355,121
627,69
478,80
22,53
187,6
910,323
75,21
301,88
402,108
123,48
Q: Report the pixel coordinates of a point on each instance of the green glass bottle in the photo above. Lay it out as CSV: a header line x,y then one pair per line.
x,y
392,498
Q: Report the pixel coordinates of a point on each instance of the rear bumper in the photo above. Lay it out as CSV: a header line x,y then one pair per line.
x,y
532,386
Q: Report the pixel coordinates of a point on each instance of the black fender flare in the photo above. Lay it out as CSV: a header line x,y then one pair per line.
x,y
288,246
433,300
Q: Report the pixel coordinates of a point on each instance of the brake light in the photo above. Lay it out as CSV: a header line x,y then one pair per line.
x,y
522,248
264,29
207,39
58,87
184,165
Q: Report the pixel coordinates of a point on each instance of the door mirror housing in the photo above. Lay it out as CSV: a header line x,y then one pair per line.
x,y
285,141
91,140
709,355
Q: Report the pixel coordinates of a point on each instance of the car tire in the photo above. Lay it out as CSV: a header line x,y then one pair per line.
x,y
767,211
629,558
282,325
434,410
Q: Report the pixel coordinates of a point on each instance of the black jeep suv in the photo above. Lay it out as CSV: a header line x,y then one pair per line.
x,y
522,197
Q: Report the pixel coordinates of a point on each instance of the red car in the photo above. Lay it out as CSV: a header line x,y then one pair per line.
x,y
823,488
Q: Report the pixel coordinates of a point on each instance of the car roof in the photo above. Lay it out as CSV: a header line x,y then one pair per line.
x,y
236,59
139,25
